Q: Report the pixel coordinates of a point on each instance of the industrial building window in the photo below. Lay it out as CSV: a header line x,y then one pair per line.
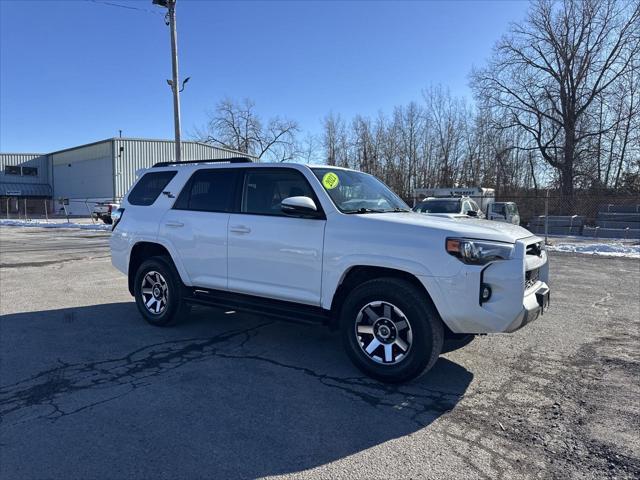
x,y
11,170
149,187
30,171
208,191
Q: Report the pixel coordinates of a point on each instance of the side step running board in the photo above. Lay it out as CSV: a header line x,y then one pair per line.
x,y
279,309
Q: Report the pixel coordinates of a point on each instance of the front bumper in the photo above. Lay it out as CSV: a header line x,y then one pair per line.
x,y
514,303
535,304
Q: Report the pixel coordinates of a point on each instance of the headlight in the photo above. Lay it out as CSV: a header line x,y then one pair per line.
x,y
478,252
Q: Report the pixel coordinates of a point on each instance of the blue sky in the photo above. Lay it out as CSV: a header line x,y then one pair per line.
x,y
72,72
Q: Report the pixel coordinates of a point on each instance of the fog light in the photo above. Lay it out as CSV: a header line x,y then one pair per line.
x,y
485,293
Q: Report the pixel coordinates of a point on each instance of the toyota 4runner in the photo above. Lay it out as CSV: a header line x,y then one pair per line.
x,y
326,245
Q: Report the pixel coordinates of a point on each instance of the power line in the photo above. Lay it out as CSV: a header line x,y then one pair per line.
x,y
128,7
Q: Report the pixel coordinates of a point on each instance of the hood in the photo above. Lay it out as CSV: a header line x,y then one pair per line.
x,y
459,226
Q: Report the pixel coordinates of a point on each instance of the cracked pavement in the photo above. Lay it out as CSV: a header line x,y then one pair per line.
x,y
88,390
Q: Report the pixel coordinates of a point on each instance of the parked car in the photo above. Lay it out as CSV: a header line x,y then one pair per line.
x,y
504,212
449,207
103,210
481,195
483,200
325,245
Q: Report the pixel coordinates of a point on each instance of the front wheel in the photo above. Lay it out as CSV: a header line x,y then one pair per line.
x,y
390,330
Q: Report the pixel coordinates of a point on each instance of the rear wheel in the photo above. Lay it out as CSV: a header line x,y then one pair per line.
x,y
390,330
159,292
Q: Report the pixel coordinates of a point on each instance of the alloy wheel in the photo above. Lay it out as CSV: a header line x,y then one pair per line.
x,y
383,332
155,292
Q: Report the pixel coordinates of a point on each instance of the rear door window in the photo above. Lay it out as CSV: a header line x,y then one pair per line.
x,y
209,190
149,187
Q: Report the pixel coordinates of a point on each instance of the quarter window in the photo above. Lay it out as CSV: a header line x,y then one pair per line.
x,y
264,190
30,171
149,187
209,191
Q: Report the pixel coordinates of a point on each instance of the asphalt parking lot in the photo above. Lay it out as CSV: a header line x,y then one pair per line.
x,y
89,391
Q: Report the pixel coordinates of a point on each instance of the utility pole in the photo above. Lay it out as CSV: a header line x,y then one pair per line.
x,y
173,83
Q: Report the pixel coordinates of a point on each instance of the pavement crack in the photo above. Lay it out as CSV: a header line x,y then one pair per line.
x,y
111,379
52,387
416,401
46,263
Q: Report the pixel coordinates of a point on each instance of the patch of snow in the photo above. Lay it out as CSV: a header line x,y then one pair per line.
x,y
53,224
613,249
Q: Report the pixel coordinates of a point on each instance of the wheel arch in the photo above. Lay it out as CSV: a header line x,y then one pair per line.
x,y
139,253
359,274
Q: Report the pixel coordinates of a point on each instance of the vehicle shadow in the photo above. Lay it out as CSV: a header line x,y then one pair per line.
x,y
217,395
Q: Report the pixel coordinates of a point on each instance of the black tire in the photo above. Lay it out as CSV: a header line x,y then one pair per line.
x,y
456,343
107,220
174,306
422,317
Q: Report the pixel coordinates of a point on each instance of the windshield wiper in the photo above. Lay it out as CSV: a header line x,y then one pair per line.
x,y
366,210
374,210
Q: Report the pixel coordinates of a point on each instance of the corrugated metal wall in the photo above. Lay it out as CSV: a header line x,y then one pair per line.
x,y
83,173
132,155
36,160
103,170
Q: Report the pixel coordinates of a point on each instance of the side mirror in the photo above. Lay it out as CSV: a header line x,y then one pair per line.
x,y
299,206
472,213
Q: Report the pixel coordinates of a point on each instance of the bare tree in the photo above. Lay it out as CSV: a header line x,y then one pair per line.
x,y
549,71
447,118
237,126
309,149
330,139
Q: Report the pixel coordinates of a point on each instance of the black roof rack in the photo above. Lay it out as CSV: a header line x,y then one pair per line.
x,y
214,160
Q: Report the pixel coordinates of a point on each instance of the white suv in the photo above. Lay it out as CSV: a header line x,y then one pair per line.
x,y
451,207
326,245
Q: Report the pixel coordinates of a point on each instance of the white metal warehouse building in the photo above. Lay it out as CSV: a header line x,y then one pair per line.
x,y
98,171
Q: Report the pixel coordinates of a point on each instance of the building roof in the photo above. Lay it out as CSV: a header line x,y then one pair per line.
x,y
25,190
112,139
134,139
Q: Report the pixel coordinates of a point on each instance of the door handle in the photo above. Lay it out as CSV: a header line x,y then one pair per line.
x,y
174,224
239,229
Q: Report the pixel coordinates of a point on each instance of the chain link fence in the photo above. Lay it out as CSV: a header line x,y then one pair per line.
x,y
22,208
589,214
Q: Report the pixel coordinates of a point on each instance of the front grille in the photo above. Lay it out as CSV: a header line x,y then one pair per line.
x,y
531,278
535,249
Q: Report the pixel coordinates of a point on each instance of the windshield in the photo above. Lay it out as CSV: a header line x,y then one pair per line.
x,y
438,206
357,192
498,208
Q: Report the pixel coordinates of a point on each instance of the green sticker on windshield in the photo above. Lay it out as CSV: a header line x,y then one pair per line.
x,y
330,180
